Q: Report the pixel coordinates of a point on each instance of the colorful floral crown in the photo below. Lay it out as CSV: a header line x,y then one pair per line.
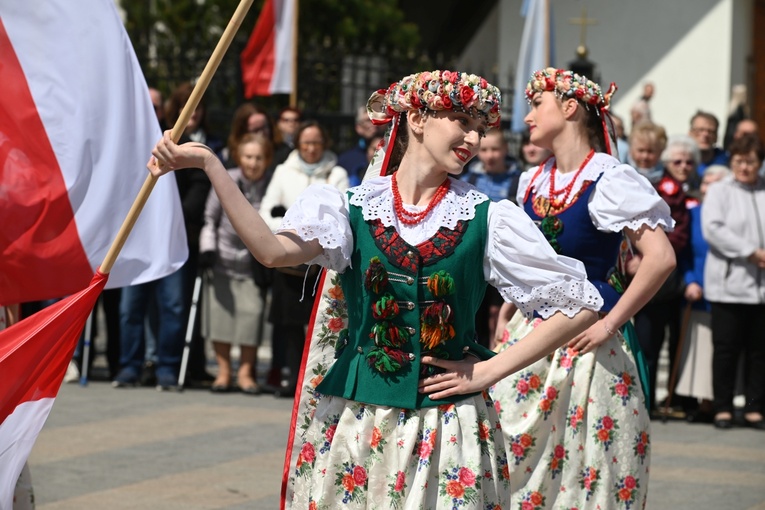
x,y
436,90
569,85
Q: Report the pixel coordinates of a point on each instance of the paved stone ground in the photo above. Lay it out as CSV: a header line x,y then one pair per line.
x,y
120,449
139,449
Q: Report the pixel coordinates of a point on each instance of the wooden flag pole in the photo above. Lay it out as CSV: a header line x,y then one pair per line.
x,y
180,125
293,93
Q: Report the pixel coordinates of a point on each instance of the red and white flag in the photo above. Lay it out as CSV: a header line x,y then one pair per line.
x,y
76,130
267,58
34,355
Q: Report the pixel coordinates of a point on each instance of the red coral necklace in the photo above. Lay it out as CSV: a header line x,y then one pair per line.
x,y
411,218
556,203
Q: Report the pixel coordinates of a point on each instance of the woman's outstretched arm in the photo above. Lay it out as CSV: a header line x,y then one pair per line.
x,y
271,250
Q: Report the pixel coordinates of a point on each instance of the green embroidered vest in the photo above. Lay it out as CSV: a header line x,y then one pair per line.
x,y
379,361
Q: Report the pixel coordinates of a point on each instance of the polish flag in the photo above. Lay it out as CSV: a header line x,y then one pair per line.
x,y
267,58
34,355
76,129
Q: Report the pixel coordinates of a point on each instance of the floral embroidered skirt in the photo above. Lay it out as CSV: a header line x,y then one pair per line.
x,y
346,454
577,428
355,455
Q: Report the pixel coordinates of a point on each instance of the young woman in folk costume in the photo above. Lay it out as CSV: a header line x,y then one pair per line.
x,y
576,422
401,419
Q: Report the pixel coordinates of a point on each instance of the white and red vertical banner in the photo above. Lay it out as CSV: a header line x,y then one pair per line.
x,y
537,51
76,130
267,59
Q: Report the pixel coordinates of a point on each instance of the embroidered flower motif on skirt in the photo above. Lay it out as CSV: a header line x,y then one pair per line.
x,y
625,491
336,321
605,431
305,460
498,407
483,434
459,486
589,480
623,387
504,470
642,445
318,372
533,500
547,403
521,445
528,384
558,458
575,419
360,410
447,412
377,443
567,358
396,490
328,431
351,481
423,449
405,415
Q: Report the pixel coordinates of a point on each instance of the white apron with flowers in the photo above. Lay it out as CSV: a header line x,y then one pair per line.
x,y
576,426
346,454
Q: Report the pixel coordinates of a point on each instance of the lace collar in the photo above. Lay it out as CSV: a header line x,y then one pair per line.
x,y
376,201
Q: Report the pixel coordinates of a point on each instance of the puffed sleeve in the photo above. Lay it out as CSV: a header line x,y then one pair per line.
x,y
525,269
321,212
625,199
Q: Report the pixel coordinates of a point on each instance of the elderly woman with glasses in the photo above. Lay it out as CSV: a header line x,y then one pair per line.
x,y
680,159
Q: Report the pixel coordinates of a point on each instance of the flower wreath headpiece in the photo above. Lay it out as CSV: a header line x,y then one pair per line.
x,y
429,91
569,85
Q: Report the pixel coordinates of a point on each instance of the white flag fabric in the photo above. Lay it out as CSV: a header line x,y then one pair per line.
x,y
536,53
76,130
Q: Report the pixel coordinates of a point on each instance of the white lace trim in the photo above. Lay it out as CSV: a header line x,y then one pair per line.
x,y
568,296
376,201
324,221
652,219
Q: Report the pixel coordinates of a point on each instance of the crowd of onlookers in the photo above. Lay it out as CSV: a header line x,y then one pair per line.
x,y
714,298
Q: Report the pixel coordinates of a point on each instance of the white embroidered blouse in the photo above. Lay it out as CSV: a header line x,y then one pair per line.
x,y
621,199
518,261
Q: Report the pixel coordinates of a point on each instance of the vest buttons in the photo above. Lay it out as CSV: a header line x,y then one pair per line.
x,y
465,349
409,280
409,305
411,356
360,350
411,330
410,254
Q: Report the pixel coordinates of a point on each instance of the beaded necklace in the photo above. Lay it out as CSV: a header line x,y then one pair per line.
x,y
410,218
551,225
557,204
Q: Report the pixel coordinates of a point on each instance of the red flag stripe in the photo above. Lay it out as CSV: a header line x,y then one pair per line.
x,y
259,57
35,352
41,220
